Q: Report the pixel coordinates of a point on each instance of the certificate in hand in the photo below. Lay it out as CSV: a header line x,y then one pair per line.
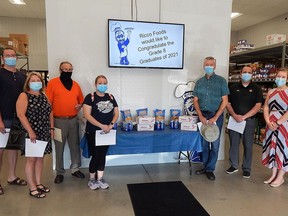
x,y
102,139
35,149
4,138
236,126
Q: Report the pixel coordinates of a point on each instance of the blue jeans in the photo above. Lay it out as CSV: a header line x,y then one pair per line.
x,y
210,156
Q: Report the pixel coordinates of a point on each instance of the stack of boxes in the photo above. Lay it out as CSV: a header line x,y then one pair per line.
x,y
145,123
19,42
275,38
188,122
23,43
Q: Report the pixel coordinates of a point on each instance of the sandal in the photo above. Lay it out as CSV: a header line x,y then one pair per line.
x,y
36,195
18,181
1,190
42,188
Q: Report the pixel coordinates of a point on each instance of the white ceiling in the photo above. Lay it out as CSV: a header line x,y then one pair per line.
x,y
254,11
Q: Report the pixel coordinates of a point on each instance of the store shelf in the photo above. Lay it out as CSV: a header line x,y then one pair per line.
x,y
275,51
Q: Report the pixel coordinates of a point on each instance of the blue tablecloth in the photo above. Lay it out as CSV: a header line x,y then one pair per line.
x,y
168,140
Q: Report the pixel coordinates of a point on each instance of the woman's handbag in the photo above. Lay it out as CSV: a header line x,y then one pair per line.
x,y
16,139
84,147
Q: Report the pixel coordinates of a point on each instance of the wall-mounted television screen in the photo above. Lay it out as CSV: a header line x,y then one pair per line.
x,y
138,44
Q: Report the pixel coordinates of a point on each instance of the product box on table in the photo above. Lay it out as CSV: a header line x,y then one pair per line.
x,y
145,120
145,127
127,126
186,118
189,126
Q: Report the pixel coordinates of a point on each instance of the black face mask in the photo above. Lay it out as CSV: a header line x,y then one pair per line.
x,y
65,76
66,80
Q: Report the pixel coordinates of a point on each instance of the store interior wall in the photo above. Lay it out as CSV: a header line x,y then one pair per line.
x,y
256,34
81,37
36,29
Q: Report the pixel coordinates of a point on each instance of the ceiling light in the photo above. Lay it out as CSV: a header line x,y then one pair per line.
x,y
235,14
18,2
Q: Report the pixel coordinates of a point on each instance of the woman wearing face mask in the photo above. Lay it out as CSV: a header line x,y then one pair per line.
x,y
35,114
101,111
275,149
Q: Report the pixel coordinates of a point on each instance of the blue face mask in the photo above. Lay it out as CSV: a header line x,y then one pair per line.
x,y
35,86
246,77
280,81
10,61
102,88
209,70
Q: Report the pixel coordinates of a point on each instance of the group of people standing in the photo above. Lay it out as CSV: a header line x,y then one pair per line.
x,y
42,110
243,100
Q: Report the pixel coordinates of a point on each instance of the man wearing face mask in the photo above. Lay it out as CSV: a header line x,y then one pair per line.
x,y
244,102
210,99
66,98
11,85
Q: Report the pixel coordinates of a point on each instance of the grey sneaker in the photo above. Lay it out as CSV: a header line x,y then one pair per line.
x,y
102,184
93,184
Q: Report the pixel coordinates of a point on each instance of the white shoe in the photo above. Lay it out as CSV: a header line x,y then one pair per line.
x,y
93,184
102,184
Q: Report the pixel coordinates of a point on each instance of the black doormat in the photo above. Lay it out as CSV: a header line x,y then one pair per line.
x,y
164,199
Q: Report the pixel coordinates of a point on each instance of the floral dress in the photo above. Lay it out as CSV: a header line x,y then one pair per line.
x,y
38,111
275,144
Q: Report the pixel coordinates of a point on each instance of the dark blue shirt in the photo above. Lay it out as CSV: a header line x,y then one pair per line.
x,y
11,85
210,92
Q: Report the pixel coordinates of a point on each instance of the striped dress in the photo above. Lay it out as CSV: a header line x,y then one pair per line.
x,y
275,144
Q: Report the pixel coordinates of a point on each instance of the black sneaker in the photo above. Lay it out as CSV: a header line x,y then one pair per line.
x,y
231,170
246,174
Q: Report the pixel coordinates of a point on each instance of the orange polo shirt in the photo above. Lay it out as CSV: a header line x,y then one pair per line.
x,y
64,101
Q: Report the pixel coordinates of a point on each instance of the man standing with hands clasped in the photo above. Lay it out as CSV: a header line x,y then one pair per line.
x,y
66,98
210,100
245,100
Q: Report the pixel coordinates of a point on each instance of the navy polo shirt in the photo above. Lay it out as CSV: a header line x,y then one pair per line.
x,y
11,85
210,92
243,99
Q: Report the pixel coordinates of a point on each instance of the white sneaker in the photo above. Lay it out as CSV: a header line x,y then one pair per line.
x,y
93,184
102,184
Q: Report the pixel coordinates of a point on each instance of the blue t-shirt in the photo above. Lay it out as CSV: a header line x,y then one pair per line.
x,y
102,110
210,92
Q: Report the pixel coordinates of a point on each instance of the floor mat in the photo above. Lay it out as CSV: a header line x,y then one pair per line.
x,y
164,199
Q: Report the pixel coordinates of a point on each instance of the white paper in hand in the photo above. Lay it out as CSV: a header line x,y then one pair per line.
x,y
4,138
235,126
35,149
102,139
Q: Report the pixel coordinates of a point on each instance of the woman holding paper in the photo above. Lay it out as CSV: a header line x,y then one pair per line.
x,y
35,114
275,149
101,111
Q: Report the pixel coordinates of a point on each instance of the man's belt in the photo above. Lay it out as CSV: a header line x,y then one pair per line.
x,y
65,117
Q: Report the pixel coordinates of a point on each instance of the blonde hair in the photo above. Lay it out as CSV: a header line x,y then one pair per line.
x,y
100,76
282,70
26,87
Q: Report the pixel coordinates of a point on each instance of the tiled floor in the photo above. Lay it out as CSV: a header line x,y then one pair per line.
x,y
229,195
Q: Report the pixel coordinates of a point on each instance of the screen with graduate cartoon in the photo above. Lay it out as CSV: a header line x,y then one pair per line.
x,y
137,44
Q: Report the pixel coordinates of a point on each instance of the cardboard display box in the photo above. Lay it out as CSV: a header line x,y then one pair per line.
x,y
186,118
145,127
188,126
9,42
145,120
21,38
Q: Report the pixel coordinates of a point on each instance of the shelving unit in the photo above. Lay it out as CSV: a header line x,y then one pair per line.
x,y
276,53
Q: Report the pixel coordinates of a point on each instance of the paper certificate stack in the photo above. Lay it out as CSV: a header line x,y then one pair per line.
x,y
102,139
236,126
